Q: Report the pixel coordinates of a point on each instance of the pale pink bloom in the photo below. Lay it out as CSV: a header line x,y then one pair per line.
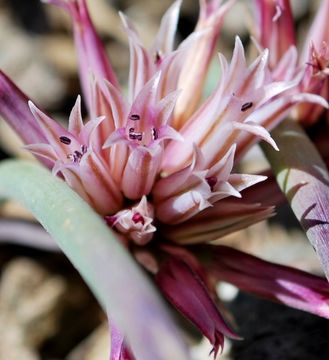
x,y
74,157
244,105
154,174
198,57
276,31
318,33
315,54
135,223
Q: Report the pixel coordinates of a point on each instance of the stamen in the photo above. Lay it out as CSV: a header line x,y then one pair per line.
x,y
212,181
84,149
72,157
155,133
138,218
246,106
65,140
78,154
75,157
310,64
135,135
134,117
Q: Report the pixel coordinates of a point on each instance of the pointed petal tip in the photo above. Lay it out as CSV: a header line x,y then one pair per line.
x,y
123,16
127,24
238,41
34,109
312,98
265,53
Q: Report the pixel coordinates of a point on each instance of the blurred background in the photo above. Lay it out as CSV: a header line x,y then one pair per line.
x,y
46,311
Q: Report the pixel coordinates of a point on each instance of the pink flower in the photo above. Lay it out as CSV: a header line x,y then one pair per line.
x,y
159,166
275,30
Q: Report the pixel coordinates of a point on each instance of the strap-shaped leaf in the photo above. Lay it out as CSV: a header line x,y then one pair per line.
x,y
103,262
304,179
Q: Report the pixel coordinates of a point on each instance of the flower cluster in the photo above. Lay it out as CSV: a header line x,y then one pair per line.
x,y
159,166
164,151
275,30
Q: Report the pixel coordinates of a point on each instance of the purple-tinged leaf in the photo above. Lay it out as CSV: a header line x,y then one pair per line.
x,y
26,233
15,110
187,292
303,178
283,284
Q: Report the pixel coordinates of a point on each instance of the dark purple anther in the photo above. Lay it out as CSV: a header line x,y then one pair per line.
x,y
138,218
84,149
65,140
246,106
212,181
134,117
78,155
135,135
155,133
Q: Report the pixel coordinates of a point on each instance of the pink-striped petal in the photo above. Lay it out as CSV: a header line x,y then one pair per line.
x,y
91,53
225,217
142,166
197,60
142,66
164,41
43,150
275,27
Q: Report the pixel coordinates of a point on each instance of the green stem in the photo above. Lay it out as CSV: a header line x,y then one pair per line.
x,y
304,179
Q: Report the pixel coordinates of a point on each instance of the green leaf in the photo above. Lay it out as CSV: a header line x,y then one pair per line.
x,y
304,179
102,261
